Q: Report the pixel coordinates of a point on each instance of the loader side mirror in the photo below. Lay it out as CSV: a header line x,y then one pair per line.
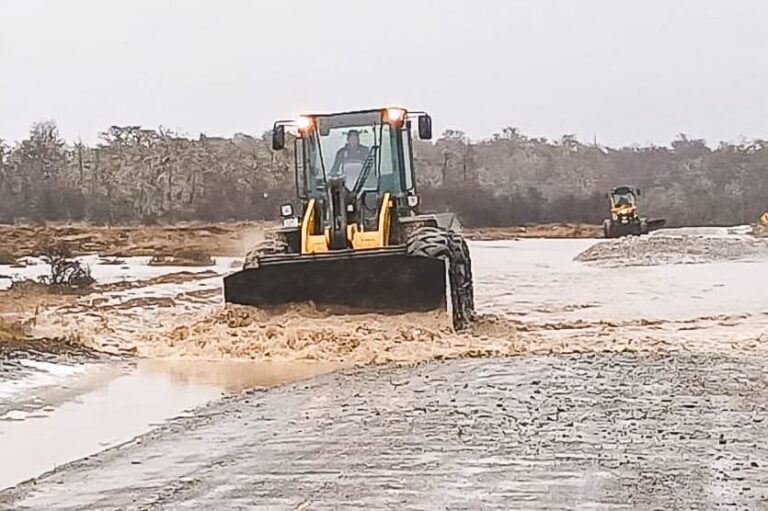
x,y
425,127
278,138
638,192
607,196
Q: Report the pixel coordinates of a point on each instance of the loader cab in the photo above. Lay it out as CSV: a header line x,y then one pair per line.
x,y
355,178
624,201
370,151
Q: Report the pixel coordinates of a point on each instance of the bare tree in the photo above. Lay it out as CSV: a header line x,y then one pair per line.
x,y
140,175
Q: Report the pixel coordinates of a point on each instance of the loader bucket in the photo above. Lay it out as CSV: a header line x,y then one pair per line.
x,y
372,280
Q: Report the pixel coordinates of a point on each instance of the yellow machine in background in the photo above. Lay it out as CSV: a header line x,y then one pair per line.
x,y
761,228
625,218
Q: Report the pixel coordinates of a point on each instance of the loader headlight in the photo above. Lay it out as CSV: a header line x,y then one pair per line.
x,y
304,123
413,200
394,115
286,210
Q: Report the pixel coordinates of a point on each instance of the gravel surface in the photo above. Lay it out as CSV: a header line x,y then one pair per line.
x,y
595,431
664,248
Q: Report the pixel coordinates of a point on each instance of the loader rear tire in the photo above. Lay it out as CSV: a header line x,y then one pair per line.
x,y
449,246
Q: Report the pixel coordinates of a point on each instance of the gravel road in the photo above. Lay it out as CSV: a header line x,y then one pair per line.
x,y
595,431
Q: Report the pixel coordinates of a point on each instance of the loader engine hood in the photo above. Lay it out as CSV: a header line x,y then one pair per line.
x,y
624,210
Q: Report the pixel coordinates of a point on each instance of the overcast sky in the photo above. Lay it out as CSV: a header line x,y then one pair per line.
x,y
624,71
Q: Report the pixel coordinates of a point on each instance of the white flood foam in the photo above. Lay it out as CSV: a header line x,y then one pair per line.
x,y
45,374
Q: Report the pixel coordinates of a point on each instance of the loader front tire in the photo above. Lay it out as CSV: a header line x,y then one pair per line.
x,y
607,228
449,246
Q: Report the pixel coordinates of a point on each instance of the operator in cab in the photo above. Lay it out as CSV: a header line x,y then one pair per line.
x,y
353,152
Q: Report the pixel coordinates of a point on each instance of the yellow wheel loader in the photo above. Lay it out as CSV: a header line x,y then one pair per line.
x,y
625,219
761,228
358,242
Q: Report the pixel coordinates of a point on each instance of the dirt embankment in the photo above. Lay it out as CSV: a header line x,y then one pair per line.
x,y
219,239
222,239
535,231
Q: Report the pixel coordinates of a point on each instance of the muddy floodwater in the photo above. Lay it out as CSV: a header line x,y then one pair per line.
x,y
581,386
103,405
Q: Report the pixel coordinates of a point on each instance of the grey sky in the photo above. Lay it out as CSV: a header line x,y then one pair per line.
x,y
623,70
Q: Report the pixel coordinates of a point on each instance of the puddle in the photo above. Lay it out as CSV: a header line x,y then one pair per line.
x,y
236,375
114,404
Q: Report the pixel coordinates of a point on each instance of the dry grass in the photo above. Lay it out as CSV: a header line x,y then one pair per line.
x,y
11,330
31,288
6,257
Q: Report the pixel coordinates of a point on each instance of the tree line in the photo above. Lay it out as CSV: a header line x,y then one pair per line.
x,y
144,175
